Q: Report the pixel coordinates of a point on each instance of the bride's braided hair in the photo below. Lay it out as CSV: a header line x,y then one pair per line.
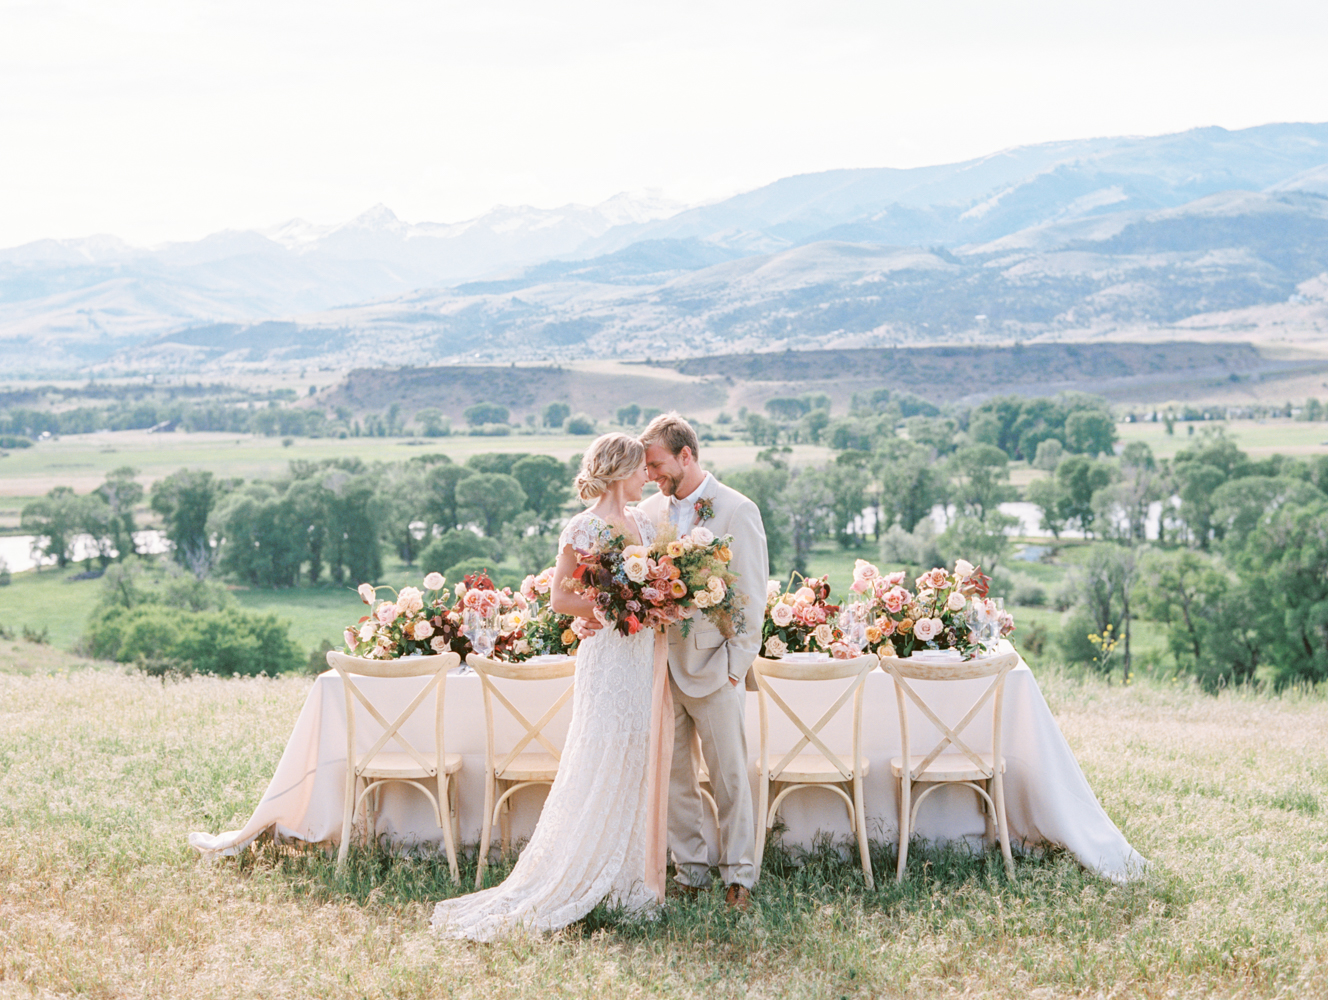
x,y
610,458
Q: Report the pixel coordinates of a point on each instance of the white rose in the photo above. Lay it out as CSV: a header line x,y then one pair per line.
x,y
366,631
636,568
409,601
422,630
635,551
955,602
703,599
366,593
434,581
824,634
702,535
521,647
772,590
781,615
775,647
438,644
715,585
963,568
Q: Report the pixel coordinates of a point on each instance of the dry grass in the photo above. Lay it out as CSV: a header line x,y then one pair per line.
x,y
103,772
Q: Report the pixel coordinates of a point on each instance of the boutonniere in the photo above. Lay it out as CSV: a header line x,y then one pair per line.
x,y
705,509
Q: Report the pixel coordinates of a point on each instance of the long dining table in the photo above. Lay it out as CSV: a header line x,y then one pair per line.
x,y
1048,799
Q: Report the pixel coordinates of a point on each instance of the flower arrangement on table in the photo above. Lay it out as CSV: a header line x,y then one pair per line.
x,y
434,620
546,632
948,610
800,619
638,586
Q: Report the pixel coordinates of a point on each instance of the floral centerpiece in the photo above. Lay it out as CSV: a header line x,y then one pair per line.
x,y
419,622
637,586
800,619
546,632
939,614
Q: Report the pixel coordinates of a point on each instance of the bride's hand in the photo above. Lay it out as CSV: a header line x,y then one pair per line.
x,y
586,627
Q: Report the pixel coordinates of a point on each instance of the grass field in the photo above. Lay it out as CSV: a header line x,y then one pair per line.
x,y
105,772
1258,437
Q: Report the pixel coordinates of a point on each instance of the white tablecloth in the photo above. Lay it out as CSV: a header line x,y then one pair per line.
x,y
1048,800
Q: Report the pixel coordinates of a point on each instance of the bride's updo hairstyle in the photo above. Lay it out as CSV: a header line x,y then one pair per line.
x,y
610,458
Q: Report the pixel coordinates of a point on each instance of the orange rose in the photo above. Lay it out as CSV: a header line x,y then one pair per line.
x,y
905,626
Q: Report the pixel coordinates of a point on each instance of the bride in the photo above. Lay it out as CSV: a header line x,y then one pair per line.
x,y
590,842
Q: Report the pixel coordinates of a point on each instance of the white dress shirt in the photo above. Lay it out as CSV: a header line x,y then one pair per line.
x,y
682,510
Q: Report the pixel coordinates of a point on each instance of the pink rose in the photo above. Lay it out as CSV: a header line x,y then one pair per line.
x,y
895,600
927,629
352,640
781,614
895,579
936,579
438,644
366,593
410,600
422,630
386,612
863,570
434,581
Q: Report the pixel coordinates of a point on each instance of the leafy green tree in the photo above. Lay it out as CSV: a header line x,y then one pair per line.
x,y
440,493
1239,506
764,485
629,415
981,476
55,520
910,483
1052,502
403,501
432,423
489,500
556,414
185,500
1048,455
1197,483
936,433
122,493
812,427
786,407
547,486
486,413
495,462
580,423
1080,477
1090,432
1105,583
760,430
1216,629
263,539
804,506
982,542
848,488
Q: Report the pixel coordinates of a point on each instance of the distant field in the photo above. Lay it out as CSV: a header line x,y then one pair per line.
x,y
1258,437
81,461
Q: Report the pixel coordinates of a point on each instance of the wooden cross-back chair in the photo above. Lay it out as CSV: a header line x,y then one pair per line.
x,y
409,765
953,760
810,762
516,768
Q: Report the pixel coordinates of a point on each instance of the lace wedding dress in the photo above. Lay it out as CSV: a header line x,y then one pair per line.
x,y
589,844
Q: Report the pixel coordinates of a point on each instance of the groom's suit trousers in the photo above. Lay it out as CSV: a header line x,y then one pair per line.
x,y
719,719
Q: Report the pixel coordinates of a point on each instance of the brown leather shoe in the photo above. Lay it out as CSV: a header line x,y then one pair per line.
x,y
738,897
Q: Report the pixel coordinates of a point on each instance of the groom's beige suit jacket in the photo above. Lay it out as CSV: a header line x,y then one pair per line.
x,y
703,661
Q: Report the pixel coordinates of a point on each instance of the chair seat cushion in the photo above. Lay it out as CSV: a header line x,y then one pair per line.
x,y
531,767
949,767
812,768
394,764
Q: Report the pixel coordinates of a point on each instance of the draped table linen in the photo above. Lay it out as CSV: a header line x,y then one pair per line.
x,y
1048,799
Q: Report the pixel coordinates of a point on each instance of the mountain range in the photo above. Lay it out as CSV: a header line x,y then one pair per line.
x,y
1205,230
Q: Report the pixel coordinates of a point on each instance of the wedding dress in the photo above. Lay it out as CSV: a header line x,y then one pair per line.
x,y
589,844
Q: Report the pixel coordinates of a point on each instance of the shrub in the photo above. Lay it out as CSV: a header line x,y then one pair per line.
x,y
227,643
1028,592
4,573
579,423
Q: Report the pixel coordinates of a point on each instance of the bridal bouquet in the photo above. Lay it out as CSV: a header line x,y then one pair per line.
x,y
800,620
944,612
637,586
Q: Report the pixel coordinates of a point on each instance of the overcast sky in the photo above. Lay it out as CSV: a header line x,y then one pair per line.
x,y
169,119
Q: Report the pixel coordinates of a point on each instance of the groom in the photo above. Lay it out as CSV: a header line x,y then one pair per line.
x,y
707,671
